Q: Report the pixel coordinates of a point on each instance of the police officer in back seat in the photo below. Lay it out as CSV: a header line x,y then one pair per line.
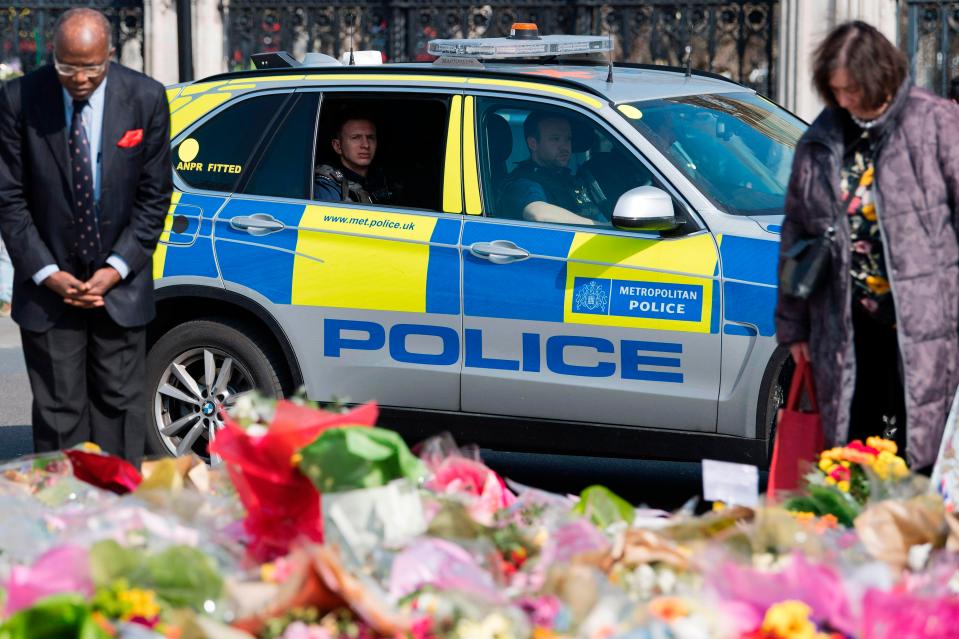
x,y
351,178
543,189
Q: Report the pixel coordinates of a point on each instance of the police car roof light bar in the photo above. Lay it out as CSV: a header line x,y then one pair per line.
x,y
523,47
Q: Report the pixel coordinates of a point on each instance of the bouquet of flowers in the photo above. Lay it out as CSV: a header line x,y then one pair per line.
x,y
847,477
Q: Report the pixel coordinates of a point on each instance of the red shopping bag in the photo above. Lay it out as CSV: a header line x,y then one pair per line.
x,y
799,435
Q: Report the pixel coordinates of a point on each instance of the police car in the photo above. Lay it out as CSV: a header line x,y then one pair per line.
x,y
641,328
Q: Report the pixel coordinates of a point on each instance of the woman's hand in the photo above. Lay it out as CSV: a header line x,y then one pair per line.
x,y
799,351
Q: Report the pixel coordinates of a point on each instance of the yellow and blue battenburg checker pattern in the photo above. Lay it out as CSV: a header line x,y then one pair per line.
x,y
357,258
571,275
329,256
655,284
749,283
186,242
373,260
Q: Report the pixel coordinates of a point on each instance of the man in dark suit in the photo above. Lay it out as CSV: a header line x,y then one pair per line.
x,y
85,184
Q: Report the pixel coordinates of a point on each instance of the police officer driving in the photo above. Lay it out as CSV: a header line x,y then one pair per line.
x,y
351,178
542,188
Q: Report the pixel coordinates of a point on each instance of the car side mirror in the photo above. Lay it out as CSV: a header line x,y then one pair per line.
x,y
645,208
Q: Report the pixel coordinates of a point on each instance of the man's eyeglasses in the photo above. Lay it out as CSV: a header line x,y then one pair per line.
x,y
71,70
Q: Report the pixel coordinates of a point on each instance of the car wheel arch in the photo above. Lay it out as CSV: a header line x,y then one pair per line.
x,y
185,302
779,370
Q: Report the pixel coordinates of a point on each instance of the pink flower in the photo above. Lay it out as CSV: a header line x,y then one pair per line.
x,y
458,475
422,628
64,569
541,610
299,630
896,615
819,586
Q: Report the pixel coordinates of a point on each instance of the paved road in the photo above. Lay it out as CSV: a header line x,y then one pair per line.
x,y
662,484
15,395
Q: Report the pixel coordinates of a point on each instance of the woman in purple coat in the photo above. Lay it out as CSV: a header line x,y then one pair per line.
x,y
880,167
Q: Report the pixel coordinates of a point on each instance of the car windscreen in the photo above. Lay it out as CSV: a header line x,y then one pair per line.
x,y
736,147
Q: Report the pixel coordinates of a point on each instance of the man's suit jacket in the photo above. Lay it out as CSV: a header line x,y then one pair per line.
x,y
37,211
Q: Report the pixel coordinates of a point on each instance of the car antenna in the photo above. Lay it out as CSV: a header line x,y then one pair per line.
x,y
609,76
689,61
350,18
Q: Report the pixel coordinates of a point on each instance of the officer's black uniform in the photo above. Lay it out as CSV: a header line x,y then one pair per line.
x,y
559,185
340,184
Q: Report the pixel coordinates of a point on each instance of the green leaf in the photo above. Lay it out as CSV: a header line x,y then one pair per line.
x,y
109,561
179,575
603,507
803,505
57,617
183,577
831,501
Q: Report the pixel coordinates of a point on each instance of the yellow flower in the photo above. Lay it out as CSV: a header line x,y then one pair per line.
x,y
876,284
718,506
789,620
141,603
830,481
882,444
90,447
867,177
803,516
844,464
295,460
869,212
887,464
832,453
268,573
825,465
843,485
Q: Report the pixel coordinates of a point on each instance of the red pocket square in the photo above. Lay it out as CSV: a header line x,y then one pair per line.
x,y
131,138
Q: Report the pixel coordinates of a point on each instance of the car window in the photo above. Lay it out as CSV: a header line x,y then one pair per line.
x,y
215,155
285,168
532,153
389,145
737,147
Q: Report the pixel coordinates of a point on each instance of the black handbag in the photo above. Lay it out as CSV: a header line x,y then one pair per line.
x,y
805,265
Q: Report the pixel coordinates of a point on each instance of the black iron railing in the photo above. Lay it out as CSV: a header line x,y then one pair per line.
x,y
932,42
26,30
736,38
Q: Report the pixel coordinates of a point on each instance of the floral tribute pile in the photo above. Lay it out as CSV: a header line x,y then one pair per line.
x,y
319,525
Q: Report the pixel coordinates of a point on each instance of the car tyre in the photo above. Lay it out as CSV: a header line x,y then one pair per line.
x,y
179,396
772,396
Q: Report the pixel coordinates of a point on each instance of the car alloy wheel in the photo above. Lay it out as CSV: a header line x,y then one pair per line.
x,y
192,394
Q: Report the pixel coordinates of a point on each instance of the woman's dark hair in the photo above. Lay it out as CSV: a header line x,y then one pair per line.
x,y
871,60
954,89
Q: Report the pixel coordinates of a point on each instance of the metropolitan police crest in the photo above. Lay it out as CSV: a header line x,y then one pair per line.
x,y
591,298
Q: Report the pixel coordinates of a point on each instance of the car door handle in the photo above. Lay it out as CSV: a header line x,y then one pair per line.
x,y
499,251
257,224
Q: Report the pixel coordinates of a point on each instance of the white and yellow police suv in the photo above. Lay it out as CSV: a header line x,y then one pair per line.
x,y
558,257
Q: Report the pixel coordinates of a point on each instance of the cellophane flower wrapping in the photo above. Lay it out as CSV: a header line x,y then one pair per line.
x,y
351,458
65,569
282,504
